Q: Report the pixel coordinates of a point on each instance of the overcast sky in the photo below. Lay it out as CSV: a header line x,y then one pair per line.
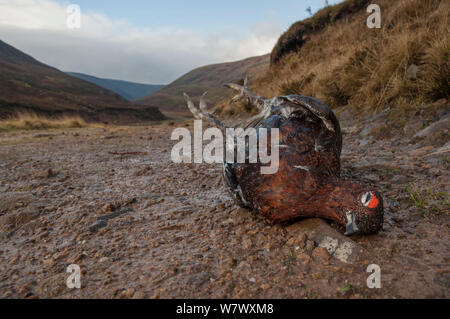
x,y
147,41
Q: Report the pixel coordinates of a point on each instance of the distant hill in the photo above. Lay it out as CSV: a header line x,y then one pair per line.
x,y
208,78
27,85
128,90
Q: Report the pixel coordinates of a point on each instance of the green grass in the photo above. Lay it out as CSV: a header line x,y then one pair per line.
x,y
347,289
427,202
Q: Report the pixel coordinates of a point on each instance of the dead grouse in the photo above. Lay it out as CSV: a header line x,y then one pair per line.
x,y
308,182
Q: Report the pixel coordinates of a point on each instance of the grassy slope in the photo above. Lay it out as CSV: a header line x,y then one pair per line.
x,y
348,65
128,90
209,78
299,33
26,85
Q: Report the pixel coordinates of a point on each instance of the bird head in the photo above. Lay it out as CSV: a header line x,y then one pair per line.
x,y
356,207
365,214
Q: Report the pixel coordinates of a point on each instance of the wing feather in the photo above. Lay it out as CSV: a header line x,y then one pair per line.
x,y
321,111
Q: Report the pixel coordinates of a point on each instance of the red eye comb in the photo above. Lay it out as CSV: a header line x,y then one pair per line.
x,y
374,202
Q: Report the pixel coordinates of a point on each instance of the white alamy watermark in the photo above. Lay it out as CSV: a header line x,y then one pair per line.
x,y
74,280
74,16
374,280
374,19
238,146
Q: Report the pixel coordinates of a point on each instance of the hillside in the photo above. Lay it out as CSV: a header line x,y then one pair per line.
x,y
335,57
27,85
128,90
208,78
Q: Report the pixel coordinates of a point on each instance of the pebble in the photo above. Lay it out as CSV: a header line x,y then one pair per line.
x,y
321,253
127,294
299,242
265,286
109,207
309,246
304,258
139,295
103,259
48,173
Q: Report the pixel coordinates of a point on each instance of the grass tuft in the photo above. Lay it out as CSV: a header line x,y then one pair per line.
x,y
335,57
26,121
427,202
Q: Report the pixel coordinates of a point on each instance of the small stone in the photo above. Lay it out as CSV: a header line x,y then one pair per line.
x,y
243,294
48,173
299,242
139,295
129,292
265,286
304,258
438,127
309,245
321,253
108,208
302,240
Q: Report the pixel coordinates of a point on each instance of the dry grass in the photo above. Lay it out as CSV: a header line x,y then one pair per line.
x,y
36,122
348,64
299,33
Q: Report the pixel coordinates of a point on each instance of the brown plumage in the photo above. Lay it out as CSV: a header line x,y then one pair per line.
x,y
308,182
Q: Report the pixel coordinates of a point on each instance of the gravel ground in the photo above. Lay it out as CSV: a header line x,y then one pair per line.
x,y
140,226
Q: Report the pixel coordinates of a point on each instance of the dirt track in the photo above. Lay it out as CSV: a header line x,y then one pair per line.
x,y
140,226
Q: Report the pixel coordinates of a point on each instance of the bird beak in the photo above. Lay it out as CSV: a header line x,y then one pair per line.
x,y
351,227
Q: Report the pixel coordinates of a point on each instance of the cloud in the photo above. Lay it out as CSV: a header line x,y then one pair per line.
x,y
117,49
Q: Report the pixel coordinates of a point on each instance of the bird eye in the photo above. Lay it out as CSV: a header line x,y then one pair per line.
x,y
365,199
370,200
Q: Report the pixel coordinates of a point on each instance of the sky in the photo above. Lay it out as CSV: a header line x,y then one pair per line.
x,y
147,41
